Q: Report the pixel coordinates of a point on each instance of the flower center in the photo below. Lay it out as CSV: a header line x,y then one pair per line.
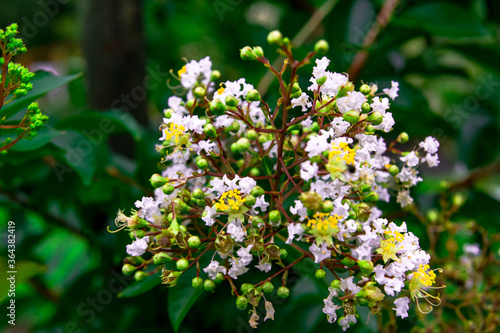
x,y
182,71
425,276
323,221
343,152
230,200
174,131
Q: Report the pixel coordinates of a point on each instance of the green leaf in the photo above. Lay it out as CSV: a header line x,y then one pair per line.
x,y
97,125
443,19
44,136
268,165
181,298
138,288
42,84
289,157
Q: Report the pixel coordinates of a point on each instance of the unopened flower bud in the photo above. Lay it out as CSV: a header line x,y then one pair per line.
x,y
234,127
217,107
168,189
194,242
199,92
128,269
247,54
243,144
202,163
198,194
403,137
268,287
283,292
369,129
258,51
376,118
250,200
365,107
335,284
157,180
182,264
245,287
256,221
252,134
197,282
210,130
348,262
372,197
219,278
393,170
321,46
320,274
274,217
365,89
321,80
257,191
326,206
231,101
209,285
458,199
349,86
168,113
241,302
253,96
366,267
351,116
275,38
161,258
365,188
140,276
283,253
215,75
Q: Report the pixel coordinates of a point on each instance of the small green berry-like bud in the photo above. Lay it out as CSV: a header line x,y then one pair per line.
x,y
252,134
321,46
257,191
321,80
258,51
351,116
247,54
210,130
365,188
403,137
168,189
365,107
140,276
197,282
182,264
157,180
275,37
283,292
161,258
168,113
348,262
250,200
194,242
190,103
335,284
365,89
199,92
198,194
202,163
256,221
241,302
209,285
234,127
372,196
458,199
255,172
217,107
243,144
274,217
369,129
376,118
326,206
393,170
366,267
283,253
320,274
245,287
235,148
349,86
215,75
219,278
128,269
268,287
253,96
231,101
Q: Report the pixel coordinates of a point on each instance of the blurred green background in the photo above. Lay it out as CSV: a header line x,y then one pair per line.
x,y
63,188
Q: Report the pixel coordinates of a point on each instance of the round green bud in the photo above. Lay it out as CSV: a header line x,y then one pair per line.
x,y
275,38
168,113
283,292
199,92
217,107
369,129
256,221
168,189
365,89
245,287
351,116
197,282
258,51
231,101
198,194
252,134
335,284
321,46
215,75
268,287
458,199
315,127
372,196
202,163
376,118
283,253
247,54
320,274
403,137
348,262
366,267
140,276
365,188
365,107
274,217
128,269
257,191
190,103
326,206
210,130
255,172
253,96
219,278
161,258
182,228
157,180
349,86
241,302
321,80
235,148
263,138
250,201
393,170
194,242
182,264
243,144
209,285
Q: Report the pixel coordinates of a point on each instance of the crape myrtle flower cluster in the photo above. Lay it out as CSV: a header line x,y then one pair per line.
x,y
244,183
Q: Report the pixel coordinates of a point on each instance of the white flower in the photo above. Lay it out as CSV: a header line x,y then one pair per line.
x,y
330,309
404,198
269,310
299,209
346,321
380,105
318,144
393,92
386,124
205,145
402,306
138,247
430,145
308,170
352,101
264,266
432,160
472,249
238,265
348,284
208,215
194,69
213,268
147,208
261,204
320,252
411,158
293,230
303,101
236,231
